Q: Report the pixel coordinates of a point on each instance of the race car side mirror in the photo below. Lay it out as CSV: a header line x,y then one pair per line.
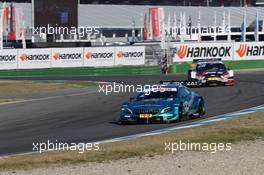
x,y
191,66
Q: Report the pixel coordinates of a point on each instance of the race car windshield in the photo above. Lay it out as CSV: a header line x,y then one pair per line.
x,y
157,95
211,67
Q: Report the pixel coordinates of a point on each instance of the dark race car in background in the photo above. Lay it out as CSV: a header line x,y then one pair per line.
x,y
211,72
170,103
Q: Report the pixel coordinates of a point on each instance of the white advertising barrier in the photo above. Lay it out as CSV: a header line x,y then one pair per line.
x,y
186,52
8,59
34,58
67,57
134,55
99,56
249,51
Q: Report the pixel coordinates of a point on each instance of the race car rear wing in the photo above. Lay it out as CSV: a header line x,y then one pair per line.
x,y
206,60
183,83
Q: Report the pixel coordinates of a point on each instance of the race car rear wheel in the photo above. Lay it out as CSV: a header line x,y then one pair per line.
x,y
189,76
180,115
201,111
123,123
230,82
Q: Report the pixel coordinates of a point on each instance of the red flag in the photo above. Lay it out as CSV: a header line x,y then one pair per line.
x,y
6,14
12,34
155,22
145,30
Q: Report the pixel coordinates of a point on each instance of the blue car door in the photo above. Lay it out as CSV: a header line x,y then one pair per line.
x,y
187,100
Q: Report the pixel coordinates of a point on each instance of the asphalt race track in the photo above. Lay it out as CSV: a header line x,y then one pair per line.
x,y
84,115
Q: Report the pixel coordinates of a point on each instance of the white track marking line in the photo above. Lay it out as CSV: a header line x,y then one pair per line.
x,y
47,98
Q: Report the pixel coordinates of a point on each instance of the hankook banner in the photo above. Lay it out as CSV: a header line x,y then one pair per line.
x,y
8,59
99,56
130,55
123,55
186,52
33,58
67,57
249,51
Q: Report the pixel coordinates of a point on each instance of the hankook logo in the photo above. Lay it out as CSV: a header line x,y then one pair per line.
x,y
245,50
7,58
90,55
182,51
23,57
56,56
121,54
194,52
73,56
241,51
39,57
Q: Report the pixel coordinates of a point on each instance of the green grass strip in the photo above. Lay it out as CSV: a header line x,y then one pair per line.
x,y
126,70
82,71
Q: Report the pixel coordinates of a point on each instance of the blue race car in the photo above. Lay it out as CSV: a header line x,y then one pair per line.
x,y
165,104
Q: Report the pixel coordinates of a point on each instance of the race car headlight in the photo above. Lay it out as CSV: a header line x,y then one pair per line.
x,y
168,109
126,110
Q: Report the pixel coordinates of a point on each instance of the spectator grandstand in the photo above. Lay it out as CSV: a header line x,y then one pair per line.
x,y
166,2
122,15
126,17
